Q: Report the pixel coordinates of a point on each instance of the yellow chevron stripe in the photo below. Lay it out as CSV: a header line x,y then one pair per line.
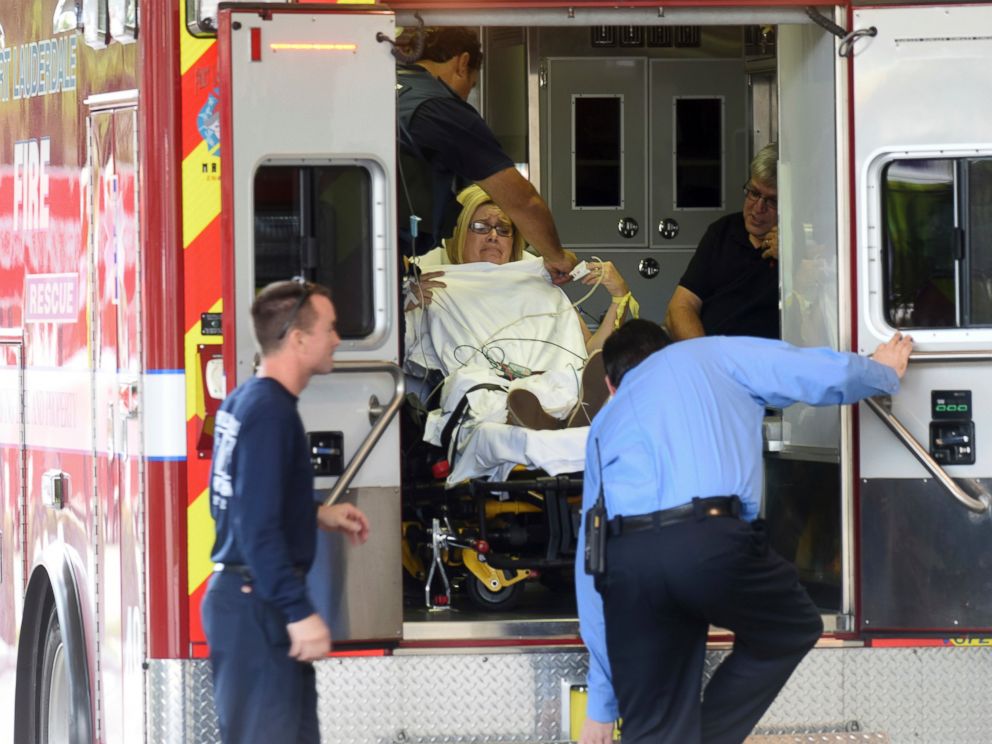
x,y
199,523
201,192
190,47
194,383
200,540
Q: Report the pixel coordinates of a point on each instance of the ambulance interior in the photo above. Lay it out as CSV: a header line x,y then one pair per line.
x,y
638,137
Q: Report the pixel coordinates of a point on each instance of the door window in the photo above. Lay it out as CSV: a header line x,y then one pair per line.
x,y
597,134
937,242
316,222
698,153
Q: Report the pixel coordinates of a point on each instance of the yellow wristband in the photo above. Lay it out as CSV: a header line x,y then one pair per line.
x,y
625,302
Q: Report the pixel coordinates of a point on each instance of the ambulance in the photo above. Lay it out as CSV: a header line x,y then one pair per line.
x,y
162,160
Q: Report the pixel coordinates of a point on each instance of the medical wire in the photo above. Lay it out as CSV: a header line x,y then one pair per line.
x,y
482,345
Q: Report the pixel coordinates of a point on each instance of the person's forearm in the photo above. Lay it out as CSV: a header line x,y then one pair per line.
x,y
606,326
683,323
538,227
529,213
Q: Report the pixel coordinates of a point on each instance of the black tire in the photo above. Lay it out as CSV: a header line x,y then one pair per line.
x,y
500,601
53,725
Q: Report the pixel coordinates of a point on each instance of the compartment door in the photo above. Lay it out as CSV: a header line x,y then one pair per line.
x,y
308,148
923,165
118,448
699,160
596,120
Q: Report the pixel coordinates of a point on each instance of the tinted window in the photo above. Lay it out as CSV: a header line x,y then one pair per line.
x,y
316,222
938,242
698,153
598,143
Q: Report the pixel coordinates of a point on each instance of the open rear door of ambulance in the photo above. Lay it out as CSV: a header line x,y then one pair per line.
x,y
923,205
308,152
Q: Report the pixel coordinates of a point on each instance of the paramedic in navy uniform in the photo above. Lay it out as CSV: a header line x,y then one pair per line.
x,y
679,442
262,630
445,146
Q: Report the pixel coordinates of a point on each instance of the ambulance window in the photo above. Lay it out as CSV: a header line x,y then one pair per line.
x,y
979,233
937,243
597,140
316,222
698,153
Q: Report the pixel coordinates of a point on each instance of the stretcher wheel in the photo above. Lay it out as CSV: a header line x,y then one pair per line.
x,y
501,600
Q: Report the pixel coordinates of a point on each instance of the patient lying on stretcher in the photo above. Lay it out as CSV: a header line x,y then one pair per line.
x,y
484,314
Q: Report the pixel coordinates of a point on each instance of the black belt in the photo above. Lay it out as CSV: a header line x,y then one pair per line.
x,y
697,509
240,569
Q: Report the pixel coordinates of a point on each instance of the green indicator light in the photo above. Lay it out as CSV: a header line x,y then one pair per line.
x,y
941,408
963,407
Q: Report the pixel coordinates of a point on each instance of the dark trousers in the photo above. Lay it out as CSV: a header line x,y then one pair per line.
x,y
662,590
261,694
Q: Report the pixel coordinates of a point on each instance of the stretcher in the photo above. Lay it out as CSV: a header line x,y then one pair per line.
x,y
495,505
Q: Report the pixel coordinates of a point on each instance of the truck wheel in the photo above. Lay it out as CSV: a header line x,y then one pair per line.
x,y
501,600
53,700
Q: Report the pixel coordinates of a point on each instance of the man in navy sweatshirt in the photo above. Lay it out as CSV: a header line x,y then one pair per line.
x,y
262,629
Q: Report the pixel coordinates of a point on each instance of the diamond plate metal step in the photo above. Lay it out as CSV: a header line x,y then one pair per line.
x,y
819,739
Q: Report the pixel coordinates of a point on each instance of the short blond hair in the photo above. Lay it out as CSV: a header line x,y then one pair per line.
x,y
471,199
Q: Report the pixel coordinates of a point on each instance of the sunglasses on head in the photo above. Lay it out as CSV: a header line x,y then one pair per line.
x,y
307,291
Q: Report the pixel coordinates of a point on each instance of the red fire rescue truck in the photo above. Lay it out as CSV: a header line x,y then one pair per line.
x,y
162,159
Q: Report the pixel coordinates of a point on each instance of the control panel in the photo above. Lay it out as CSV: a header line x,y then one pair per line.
x,y
326,452
952,431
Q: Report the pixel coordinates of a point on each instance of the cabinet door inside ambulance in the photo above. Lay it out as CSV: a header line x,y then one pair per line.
x,y
596,124
308,143
923,165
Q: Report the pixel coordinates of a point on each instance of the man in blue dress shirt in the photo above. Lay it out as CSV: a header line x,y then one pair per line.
x,y
678,450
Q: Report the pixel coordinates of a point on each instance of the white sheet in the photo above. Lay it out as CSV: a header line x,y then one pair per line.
x,y
494,450
487,315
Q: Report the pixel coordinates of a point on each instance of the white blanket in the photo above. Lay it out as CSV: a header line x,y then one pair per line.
x,y
487,316
494,450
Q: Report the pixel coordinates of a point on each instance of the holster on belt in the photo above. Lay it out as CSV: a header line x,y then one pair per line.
x,y
597,529
596,533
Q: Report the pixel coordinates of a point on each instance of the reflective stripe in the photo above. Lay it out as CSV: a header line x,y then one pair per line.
x,y
200,539
164,401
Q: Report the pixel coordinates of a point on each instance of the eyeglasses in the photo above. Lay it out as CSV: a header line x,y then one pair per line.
x,y
307,291
752,194
484,228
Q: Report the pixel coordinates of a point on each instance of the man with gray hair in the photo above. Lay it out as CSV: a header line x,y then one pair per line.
x,y
730,287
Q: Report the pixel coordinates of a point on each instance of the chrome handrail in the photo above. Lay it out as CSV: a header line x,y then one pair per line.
x,y
933,357
921,454
377,430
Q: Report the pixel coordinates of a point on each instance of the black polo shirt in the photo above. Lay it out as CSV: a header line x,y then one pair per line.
x,y
738,287
453,133
445,146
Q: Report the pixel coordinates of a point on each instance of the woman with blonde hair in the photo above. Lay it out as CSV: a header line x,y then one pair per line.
x,y
484,233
